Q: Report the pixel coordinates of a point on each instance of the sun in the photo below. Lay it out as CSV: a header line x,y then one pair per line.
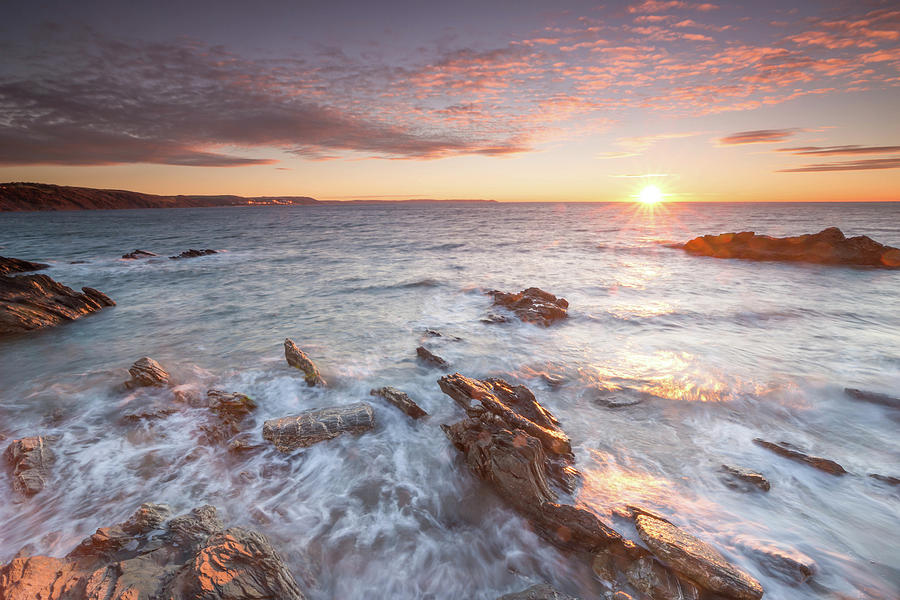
x,y
650,195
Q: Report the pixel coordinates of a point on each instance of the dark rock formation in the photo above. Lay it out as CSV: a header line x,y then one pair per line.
x,y
738,477
297,359
229,410
829,247
696,560
786,564
873,397
29,459
430,358
190,558
541,591
192,253
533,305
17,265
136,254
34,301
401,401
885,479
655,581
146,372
790,451
313,426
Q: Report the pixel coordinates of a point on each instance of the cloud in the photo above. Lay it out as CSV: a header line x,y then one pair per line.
x,y
757,137
850,165
838,150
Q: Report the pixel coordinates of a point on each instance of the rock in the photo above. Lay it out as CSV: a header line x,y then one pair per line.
x,y
433,333
829,247
189,558
401,401
34,301
533,305
136,254
313,426
297,359
785,563
696,560
616,397
492,318
885,479
229,410
431,359
541,591
740,475
873,397
146,372
29,459
192,253
790,451
655,581
149,412
17,265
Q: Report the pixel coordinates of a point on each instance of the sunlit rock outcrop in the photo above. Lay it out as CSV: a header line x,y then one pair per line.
x,y
146,372
401,400
17,265
532,305
299,360
29,459
829,246
313,426
228,411
34,301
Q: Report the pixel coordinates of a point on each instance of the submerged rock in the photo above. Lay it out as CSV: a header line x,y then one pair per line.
x,y
313,426
432,359
655,581
616,397
533,305
136,254
739,475
192,557
297,359
400,400
542,591
785,563
17,265
229,410
885,479
873,397
696,560
829,247
34,301
146,372
790,451
192,253
29,460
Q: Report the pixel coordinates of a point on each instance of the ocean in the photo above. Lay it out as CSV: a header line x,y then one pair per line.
x,y
721,351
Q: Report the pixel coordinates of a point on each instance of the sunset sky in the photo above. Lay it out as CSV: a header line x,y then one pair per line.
x,y
518,101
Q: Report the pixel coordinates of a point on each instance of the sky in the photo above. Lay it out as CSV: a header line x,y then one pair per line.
x,y
505,100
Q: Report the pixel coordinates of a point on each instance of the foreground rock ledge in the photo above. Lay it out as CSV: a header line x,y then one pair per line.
x,y
533,305
829,247
299,360
17,265
190,557
313,426
34,301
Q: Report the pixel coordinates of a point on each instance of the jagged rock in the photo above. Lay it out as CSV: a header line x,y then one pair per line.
x,y
33,301
785,563
790,451
696,560
136,254
192,253
146,372
533,305
400,400
873,397
738,476
829,246
229,410
885,479
313,426
655,581
190,558
297,359
29,459
17,265
430,358
542,591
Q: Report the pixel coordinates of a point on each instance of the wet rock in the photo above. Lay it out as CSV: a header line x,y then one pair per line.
x,y
790,451
492,318
541,591
192,253
136,254
616,397
433,333
739,478
653,580
873,397
533,305
229,411
146,372
785,563
149,412
829,246
297,359
17,265
29,460
401,401
34,301
311,427
190,558
431,359
885,479
696,560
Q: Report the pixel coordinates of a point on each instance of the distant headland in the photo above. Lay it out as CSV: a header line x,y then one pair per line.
x,y
23,196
